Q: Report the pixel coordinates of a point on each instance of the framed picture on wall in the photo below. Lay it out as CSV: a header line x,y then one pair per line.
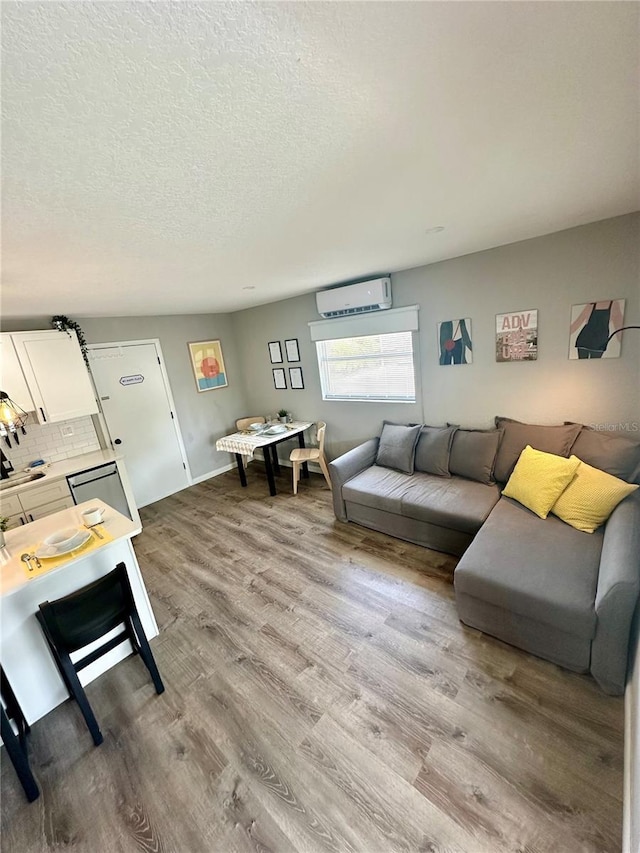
x,y
296,379
517,336
591,325
455,341
275,352
279,379
291,349
208,365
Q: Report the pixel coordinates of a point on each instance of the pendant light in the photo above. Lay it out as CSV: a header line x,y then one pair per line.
x,y
12,419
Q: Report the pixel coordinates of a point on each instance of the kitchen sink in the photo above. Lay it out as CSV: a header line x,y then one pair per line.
x,y
19,480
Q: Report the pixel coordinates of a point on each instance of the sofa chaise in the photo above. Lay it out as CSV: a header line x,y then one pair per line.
x,y
538,584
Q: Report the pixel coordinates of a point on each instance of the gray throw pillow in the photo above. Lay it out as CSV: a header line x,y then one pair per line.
x,y
473,454
612,452
397,446
433,448
550,439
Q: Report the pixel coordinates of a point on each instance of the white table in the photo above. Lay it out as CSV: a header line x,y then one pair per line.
x,y
24,653
243,444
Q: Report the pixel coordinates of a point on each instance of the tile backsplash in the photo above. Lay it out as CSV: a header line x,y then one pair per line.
x,y
46,441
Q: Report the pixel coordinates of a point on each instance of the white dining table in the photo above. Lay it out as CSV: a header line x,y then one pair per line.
x,y
244,443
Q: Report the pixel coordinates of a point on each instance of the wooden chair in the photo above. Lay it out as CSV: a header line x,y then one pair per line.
x,y
310,454
244,423
73,622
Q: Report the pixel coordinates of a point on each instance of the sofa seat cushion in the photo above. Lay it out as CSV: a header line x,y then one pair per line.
x,y
378,488
454,502
539,568
451,502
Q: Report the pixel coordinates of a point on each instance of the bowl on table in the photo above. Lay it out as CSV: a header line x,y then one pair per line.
x,y
61,538
276,429
256,427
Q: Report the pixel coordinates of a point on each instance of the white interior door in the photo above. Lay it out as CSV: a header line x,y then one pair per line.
x,y
137,408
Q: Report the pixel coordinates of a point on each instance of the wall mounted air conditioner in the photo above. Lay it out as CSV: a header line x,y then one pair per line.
x,y
374,295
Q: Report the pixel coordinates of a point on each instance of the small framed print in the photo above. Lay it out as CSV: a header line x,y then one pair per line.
x,y
279,379
291,349
275,352
295,378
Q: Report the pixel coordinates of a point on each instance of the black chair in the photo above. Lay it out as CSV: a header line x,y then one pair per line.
x,y
16,745
72,622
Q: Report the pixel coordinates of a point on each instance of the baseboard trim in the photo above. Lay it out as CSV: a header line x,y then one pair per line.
x,y
210,474
284,463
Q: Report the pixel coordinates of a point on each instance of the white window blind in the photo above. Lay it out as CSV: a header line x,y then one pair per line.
x,y
370,367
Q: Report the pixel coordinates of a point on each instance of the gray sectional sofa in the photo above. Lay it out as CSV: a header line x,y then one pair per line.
x,y
538,584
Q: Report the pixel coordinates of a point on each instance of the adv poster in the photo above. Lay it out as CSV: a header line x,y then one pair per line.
x,y
517,336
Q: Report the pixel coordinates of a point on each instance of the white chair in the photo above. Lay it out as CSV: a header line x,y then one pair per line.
x,y
310,454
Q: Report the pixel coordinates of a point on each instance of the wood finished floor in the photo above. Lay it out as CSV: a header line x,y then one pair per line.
x,y
321,696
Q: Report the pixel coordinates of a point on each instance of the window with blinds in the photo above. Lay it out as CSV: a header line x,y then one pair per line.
x,y
372,368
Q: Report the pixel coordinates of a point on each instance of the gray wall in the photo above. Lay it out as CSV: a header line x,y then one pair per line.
x,y
347,423
593,262
205,416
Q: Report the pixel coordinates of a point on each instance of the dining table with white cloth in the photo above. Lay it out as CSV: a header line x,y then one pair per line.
x,y
244,443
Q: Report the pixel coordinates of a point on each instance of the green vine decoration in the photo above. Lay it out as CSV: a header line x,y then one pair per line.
x,y
64,324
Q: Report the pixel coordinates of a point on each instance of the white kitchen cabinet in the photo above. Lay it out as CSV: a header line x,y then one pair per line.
x,y
11,509
35,503
46,493
48,509
10,505
16,521
12,380
56,375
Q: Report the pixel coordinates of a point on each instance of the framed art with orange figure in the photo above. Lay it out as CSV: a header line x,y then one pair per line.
x,y
208,365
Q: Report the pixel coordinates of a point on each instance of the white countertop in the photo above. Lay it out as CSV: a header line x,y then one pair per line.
x,y
64,468
12,571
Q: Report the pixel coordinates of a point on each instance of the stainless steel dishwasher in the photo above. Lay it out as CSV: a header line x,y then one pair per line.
x,y
102,482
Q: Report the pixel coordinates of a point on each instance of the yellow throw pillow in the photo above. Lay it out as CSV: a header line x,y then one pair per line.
x,y
539,479
590,498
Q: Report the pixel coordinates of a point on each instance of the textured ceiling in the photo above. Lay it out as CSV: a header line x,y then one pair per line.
x,y
160,157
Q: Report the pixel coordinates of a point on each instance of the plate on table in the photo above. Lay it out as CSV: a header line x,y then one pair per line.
x,y
48,551
276,429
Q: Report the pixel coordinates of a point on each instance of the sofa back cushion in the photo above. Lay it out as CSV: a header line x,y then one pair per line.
x,y
550,439
433,449
473,454
397,446
616,454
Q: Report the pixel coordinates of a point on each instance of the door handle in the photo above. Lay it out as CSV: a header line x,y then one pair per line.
x,y
118,441
44,417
